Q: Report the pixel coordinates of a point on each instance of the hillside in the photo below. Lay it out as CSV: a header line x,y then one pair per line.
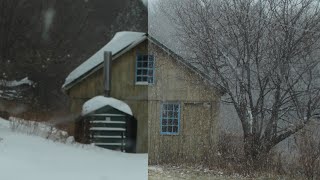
x,y
45,41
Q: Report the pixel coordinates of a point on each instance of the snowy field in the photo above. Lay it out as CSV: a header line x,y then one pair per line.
x,y
29,157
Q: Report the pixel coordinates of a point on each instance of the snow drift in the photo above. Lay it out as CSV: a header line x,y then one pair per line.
x,y
30,157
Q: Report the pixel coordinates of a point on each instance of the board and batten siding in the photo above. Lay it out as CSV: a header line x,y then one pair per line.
x,y
198,135
123,87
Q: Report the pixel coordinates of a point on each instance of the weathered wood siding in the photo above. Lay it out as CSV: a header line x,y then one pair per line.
x,y
122,87
197,138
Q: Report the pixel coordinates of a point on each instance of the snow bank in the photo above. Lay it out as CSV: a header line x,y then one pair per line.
x,y
122,40
4,124
101,101
30,157
15,83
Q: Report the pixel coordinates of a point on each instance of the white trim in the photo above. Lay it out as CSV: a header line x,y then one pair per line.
x,y
111,137
106,129
110,144
107,122
107,115
142,83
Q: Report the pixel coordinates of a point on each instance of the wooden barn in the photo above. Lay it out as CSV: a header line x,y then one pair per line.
x,y
175,106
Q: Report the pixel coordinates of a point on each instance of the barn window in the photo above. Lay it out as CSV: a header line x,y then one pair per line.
x,y
145,69
170,118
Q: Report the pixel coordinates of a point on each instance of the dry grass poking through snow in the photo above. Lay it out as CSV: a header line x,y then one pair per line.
x,y
41,129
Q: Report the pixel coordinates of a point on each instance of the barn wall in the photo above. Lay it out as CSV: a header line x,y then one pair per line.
x,y
122,87
173,82
197,138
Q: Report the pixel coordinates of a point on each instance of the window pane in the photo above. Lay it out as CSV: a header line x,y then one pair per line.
x,y
175,115
164,114
164,122
175,129
150,64
150,80
170,118
175,122
150,72
164,129
145,72
176,108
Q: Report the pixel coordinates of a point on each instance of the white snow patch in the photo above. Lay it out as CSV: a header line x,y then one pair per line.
x,y
15,83
122,40
30,157
101,101
4,123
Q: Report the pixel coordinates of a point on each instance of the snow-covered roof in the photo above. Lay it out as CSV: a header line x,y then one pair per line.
x,y
124,40
101,101
120,44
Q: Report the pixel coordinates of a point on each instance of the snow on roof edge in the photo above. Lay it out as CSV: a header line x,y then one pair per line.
x,y
121,41
101,101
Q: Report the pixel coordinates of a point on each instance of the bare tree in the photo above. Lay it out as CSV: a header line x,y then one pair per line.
x,y
263,53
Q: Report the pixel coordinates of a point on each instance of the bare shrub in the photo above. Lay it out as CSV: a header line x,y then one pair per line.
x,y
231,157
230,152
309,153
21,125
38,128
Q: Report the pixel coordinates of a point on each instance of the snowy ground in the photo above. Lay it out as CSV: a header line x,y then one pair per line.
x,y
175,173
185,173
30,157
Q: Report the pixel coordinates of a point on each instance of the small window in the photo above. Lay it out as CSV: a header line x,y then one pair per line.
x,y
170,118
145,69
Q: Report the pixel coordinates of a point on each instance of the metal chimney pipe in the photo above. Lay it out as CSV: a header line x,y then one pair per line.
x,y
107,73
